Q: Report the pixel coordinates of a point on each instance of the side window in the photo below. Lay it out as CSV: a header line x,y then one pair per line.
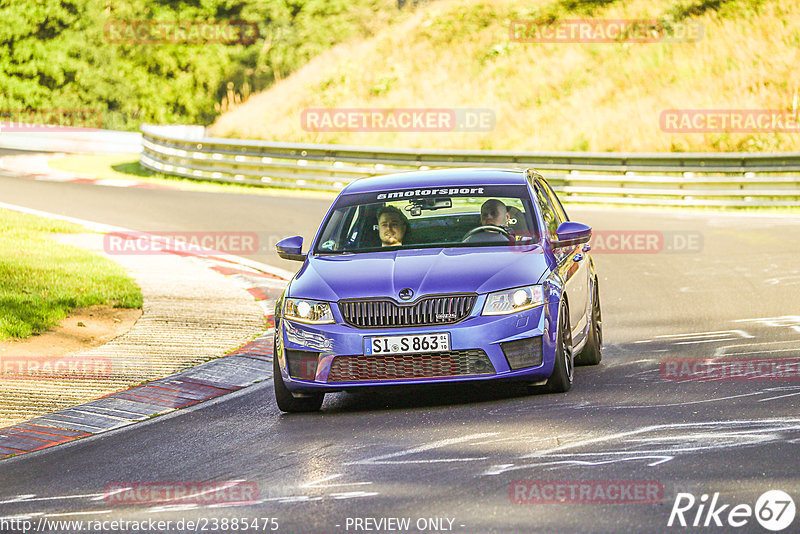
x,y
551,221
559,209
334,239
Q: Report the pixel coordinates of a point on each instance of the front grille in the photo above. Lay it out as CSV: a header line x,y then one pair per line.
x,y
406,366
428,311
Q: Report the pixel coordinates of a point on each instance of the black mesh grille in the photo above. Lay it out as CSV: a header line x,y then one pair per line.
x,y
523,352
427,311
302,364
409,366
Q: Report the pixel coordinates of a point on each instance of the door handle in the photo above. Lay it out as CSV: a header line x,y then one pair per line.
x,y
577,257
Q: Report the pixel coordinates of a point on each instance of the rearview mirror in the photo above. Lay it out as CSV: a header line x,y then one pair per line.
x,y
291,248
571,233
417,205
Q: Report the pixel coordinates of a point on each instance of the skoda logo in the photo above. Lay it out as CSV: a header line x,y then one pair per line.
x,y
406,293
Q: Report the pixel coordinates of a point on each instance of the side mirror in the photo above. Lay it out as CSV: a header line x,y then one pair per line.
x,y
572,233
291,248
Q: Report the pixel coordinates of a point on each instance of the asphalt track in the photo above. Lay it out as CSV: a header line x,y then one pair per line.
x,y
447,459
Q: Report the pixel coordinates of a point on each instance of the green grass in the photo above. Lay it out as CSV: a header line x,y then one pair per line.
x,y
41,280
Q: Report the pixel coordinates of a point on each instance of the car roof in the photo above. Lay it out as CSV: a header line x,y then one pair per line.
x,y
437,178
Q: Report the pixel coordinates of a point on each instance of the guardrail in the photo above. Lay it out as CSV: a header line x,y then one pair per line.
x,y
674,179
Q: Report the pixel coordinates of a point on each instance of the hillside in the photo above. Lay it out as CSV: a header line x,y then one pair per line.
x,y
548,96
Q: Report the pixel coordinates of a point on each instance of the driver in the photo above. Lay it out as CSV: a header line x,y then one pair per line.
x,y
494,212
392,226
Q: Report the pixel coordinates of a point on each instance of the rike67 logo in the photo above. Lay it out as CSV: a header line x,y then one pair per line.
x,y
774,510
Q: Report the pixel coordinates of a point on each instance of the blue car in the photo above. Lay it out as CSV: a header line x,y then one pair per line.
x,y
426,277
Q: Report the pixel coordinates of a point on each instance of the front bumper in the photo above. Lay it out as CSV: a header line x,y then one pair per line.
x,y
323,343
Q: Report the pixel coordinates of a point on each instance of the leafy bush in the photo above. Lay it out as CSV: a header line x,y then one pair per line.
x,y
59,55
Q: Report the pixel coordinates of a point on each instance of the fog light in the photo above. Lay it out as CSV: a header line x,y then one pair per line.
x,y
302,364
523,352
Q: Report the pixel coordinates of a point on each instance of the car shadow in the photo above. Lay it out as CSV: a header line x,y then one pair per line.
x,y
425,396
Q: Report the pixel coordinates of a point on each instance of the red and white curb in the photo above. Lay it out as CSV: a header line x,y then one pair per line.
x,y
36,167
108,182
244,366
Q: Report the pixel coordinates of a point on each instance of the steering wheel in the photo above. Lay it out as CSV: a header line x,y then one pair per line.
x,y
487,228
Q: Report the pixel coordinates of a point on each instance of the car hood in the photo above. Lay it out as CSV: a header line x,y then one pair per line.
x,y
424,271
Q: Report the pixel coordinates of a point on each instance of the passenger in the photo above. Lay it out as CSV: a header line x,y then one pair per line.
x,y
494,212
392,226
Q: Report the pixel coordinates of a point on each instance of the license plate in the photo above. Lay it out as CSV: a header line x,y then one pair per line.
x,y
407,344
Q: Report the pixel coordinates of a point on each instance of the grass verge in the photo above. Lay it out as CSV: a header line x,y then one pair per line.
x,y
127,167
41,280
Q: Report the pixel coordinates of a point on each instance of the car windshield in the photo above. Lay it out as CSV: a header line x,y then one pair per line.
x,y
424,218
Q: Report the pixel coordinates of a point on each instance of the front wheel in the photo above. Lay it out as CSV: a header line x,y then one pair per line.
x,y
286,401
592,352
563,369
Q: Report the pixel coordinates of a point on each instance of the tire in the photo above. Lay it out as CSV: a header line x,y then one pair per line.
x,y
563,368
592,353
288,402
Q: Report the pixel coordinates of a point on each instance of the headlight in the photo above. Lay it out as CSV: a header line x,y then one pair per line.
x,y
513,300
308,311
